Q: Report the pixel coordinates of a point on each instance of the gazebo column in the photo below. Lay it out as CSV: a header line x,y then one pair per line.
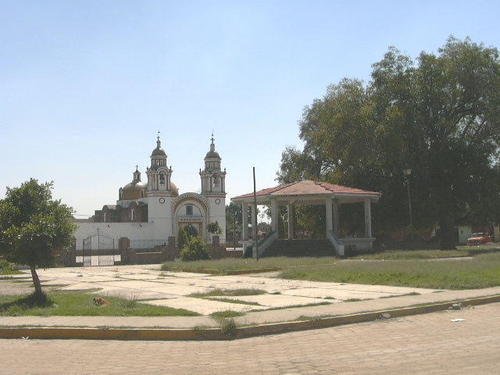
x,y
336,219
290,214
329,212
244,221
368,218
274,215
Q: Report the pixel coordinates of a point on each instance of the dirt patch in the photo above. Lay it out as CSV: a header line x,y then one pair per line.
x,y
10,288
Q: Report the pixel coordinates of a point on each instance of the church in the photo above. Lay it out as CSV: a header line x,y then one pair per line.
x,y
148,214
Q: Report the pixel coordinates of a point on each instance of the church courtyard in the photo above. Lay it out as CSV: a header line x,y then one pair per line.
x,y
207,294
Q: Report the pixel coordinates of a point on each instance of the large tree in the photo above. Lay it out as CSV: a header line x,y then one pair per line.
x,y
33,227
233,221
438,116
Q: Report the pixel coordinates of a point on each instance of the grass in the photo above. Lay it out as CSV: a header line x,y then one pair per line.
x,y
237,266
479,272
7,268
82,304
216,295
220,315
229,300
229,293
462,251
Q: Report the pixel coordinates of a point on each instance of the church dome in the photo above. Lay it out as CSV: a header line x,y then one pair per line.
x,y
174,189
158,151
212,154
135,189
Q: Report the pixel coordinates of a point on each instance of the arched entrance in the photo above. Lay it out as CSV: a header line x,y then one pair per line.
x,y
190,211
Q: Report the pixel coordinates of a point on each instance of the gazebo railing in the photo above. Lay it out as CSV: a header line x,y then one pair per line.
x,y
262,245
337,243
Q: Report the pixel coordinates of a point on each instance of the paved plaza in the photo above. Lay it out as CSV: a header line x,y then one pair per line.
x,y
149,284
458,342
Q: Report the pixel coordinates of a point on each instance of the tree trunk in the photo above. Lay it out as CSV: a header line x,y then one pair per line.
x,y
447,233
38,286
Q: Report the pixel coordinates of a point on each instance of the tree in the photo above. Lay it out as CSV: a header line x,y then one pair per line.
x,y
438,116
195,249
233,221
33,227
214,228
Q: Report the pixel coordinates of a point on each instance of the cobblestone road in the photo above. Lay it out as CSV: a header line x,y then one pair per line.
x,y
427,344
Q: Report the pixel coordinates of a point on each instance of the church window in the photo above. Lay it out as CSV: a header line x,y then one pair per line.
x,y
162,179
132,214
189,210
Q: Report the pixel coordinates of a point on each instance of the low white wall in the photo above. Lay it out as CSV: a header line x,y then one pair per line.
x,y
134,231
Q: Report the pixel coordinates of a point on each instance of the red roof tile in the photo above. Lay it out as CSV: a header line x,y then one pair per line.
x,y
308,187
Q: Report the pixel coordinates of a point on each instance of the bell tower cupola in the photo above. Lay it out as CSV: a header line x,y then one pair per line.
x,y
158,173
213,179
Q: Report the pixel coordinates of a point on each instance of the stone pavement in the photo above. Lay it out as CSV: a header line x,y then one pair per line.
x,y
423,344
150,285
251,318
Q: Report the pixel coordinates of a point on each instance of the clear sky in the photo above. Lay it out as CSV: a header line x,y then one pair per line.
x,y
85,85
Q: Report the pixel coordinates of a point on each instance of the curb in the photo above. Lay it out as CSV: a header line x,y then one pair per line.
x,y
237,333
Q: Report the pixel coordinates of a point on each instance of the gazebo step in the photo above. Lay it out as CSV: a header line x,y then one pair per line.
x,y
300,248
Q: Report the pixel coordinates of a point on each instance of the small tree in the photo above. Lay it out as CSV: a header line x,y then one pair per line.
x,y
214,228
33,227
185,235
195,249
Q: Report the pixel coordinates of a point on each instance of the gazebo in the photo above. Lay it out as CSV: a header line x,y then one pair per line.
x,y
309,192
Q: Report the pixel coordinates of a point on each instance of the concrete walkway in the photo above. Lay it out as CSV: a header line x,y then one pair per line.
x,y
451,342
252,318
150,285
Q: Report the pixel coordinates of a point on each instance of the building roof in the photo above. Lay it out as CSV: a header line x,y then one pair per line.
x,y
309,188
158,151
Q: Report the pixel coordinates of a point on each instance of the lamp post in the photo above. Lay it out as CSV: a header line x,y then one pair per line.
x,y
407,173
235,222
255,217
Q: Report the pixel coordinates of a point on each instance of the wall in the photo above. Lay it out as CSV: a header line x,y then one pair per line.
x,y
133,231
218,213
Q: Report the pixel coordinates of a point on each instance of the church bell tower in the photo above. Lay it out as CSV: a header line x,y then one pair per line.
x,y
213,179
158,173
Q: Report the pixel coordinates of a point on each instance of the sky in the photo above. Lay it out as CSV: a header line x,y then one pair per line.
x,y
86,85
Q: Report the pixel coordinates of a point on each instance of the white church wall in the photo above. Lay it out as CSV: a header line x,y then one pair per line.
x,y
159,214
143,235
218,213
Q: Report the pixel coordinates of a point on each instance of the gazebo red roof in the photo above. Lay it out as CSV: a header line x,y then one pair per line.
x,y
308,187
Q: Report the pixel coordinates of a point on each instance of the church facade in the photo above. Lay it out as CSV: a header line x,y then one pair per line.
x,y
147,214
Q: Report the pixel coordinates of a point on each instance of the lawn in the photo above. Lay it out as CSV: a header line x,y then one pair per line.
x,y
236,266
415,268
461,251
78,303
479,272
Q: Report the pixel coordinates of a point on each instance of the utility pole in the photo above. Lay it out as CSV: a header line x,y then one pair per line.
x,y
234,230
407,173
255,217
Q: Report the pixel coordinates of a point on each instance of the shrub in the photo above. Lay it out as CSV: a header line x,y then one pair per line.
x,y
214,228
182,238
228,327
195,249
6,268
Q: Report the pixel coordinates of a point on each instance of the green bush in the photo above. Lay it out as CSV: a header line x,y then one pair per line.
x,y
228,327
6,268
195,249
214,228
